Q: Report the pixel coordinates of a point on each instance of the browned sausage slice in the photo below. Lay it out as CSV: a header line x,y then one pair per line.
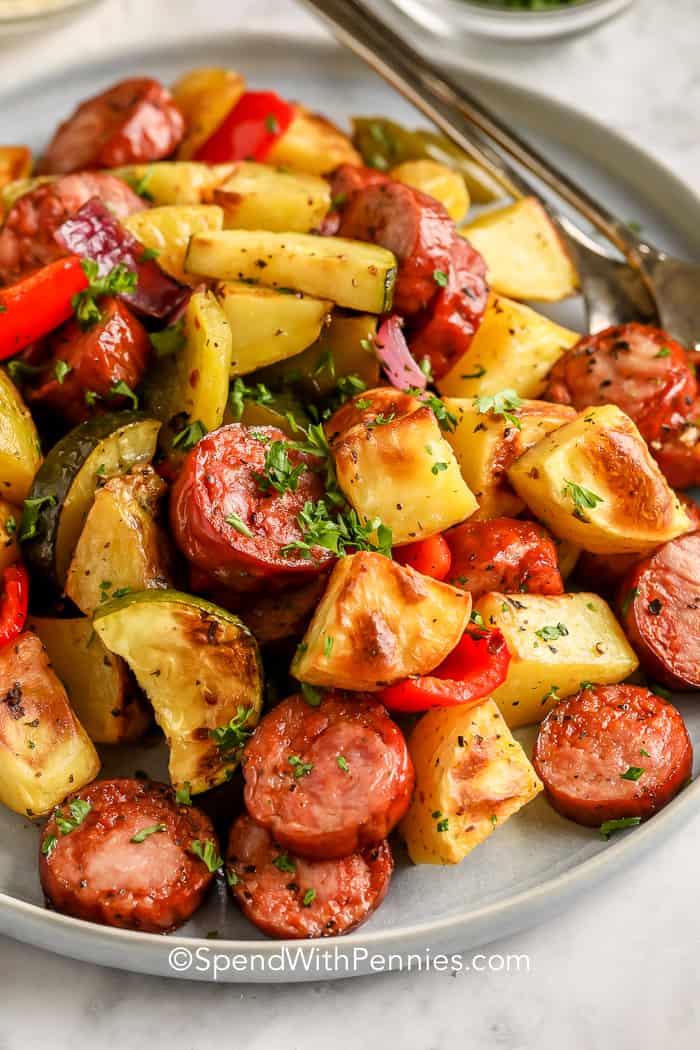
x,y
102,860
134,122
232,525
612,752
327,780
289,896
660,608
27,238
503,554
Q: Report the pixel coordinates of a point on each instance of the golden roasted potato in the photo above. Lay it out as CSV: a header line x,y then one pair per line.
x,y
258,197
514,348
205,97
524,253
167,182
471,776
10,518
20,450
594,482
268,326
312,144
100,688
394,463
486,444
378,622
556,642
121,547
44,751
167,231
438,181
15,163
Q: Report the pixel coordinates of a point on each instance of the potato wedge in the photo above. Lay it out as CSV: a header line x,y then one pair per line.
x,y
44,750
485,446
167,231
525,255
471,776
20,450
514,348
438,181
10,518
394,463
385,622
350,273
594,482
15,163
121,547
556,642
267,325
98,683
258,197
204,97
312,144
169,182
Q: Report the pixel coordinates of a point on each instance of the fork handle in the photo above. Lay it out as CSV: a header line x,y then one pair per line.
x,y
458,113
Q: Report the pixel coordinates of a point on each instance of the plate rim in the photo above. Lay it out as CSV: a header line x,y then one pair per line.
x,y
556,891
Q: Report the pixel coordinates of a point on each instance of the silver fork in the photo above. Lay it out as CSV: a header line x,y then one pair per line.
x,y
651,285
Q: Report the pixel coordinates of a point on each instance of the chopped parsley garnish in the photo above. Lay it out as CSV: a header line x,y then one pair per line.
x,y
240,392
30,515
628,599
643,753
477,618
633,773
61,370
583,499
140,185
272,124
145,833
79,809
327,646
659,690
443,825
188,437
149,253
300,768
504,404
91,396
608,827
206,851
119,281
550,633
11,525
309,898
446,419
122,389
49,845
183,794
438,467
19,370
663,352
284,863
278,472
440,278
381,420
343,763
231,738
231,877
169,340
310,694
478,372
338,534
238,524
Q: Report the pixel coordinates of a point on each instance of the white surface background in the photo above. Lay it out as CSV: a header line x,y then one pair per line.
x,y
617,970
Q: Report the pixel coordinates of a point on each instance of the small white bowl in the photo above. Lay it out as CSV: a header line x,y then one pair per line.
x,y
445,16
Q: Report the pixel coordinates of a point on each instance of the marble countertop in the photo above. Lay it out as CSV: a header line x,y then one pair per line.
x,y
617,969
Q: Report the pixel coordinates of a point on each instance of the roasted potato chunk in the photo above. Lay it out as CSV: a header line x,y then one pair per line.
x,y
471,776
378,622
556,642
525,255
594,482
312,144
44,750
486,445
175,182
15,163
100,688
167,231
438,181
514,348
394,463
205,97
121,547
258,197
20,450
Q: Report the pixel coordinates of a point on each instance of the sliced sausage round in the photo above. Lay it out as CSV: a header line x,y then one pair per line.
x,y
640,369
456,312
677,447
416,228
289,896
328,780
659,604
134,122
503,554
27,238
113,350
120,852
612,752
232,524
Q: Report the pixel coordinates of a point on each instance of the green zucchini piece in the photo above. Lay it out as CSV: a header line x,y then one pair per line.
x,y
354,274
65,484
200,668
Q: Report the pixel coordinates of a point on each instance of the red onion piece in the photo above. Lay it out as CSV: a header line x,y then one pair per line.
x,y
396,359
94,233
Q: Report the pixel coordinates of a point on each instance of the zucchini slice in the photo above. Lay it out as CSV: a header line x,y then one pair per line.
x,y
200,668
354,274
65,485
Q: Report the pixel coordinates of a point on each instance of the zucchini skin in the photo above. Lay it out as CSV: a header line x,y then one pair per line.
x,y
55,478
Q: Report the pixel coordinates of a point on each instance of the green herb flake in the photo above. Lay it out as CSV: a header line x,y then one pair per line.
x,y
550,632
79,810
119,281
438,467
207,852
309,898
327,646
11,525
122,389
31,513
609,827
231,738
632,773
504,404
663,352
311,695
628,599
440,278
343,763
299,767
61,370
478,372
169,340
284,863
272,124
145,833
189,436
442,825
183,794
582,498
49,845
238,524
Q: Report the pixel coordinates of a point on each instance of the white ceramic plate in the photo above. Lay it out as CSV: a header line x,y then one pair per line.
x,y
536,862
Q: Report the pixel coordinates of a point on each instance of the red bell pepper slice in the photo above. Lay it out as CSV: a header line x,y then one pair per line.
x,y
38,303
476,666
250,129
14,603
432,557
